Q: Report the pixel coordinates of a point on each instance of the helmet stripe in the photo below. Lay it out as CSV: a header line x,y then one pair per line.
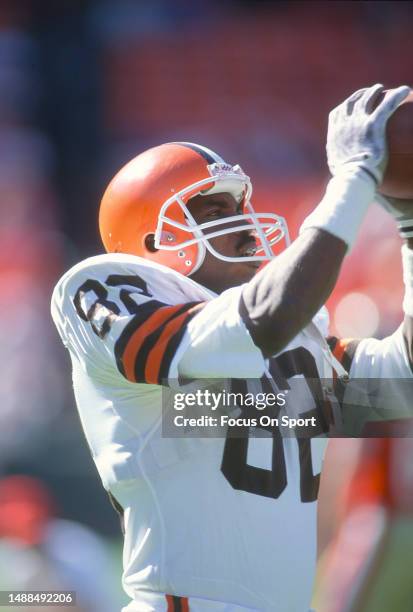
x,y
210,156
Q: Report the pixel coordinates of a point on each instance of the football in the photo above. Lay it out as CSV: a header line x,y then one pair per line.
x,y
398,178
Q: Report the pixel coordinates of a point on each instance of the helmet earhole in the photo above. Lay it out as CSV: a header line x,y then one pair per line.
x,y
150,243
181,253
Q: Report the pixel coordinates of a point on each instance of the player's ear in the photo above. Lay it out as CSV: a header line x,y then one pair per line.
x,y
150,243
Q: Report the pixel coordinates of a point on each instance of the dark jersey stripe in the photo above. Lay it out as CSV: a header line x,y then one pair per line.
x,y
115,280
346,359
407,331
348,353
171,349
150,343
116,505
177,604
145,311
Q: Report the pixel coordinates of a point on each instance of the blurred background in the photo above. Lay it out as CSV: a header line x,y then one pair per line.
x,y
88,84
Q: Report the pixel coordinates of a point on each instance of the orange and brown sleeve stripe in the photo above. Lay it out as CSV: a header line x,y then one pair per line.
x,y
146,347
177,604
343,350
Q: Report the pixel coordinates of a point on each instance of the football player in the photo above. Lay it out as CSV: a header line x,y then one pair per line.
x,y
367,567
217,523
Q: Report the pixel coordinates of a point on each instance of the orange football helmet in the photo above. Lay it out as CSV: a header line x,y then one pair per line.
x,y
143,210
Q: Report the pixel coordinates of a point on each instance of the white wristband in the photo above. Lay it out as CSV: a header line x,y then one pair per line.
x,y
407,262
344,205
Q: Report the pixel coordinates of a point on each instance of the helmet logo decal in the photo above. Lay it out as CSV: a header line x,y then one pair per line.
x,y
222,170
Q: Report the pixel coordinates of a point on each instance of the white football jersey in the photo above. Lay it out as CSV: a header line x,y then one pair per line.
x,y
380,387
210,523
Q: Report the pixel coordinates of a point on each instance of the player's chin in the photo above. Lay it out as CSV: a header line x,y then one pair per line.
x,y
245,271
252,265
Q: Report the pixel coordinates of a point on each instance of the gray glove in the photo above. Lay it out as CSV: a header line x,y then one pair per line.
x,y
356,133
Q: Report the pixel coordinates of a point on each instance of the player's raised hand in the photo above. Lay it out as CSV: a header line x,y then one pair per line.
x,y
357,130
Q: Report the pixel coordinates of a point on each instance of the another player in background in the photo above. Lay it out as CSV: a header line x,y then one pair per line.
x,y
367,566
225,524
39,551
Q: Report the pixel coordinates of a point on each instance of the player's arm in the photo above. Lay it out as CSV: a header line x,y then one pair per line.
x,y
379,395
376,524
391,357
407,325
376,577
402,212
284,297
